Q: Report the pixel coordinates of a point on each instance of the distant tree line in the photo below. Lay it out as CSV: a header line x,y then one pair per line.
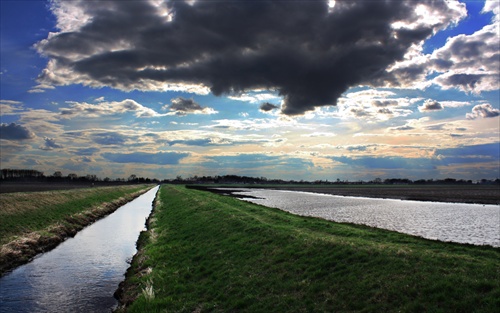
x,y
23,175
235,179
15,173
26,175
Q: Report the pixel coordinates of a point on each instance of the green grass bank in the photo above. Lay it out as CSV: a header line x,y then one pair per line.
x,y
34,222
205,252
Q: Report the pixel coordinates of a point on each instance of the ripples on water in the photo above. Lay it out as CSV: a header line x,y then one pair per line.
x,y
82,273
463,223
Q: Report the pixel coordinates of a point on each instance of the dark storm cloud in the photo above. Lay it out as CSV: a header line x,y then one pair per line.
x,y
299,48
50,144
182,105
466,81
160,158
431,105
266,107
15,131
109,138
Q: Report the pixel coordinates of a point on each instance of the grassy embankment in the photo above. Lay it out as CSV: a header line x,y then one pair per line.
x,y
209,253
33,222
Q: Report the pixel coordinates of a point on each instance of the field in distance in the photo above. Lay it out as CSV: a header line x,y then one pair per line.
x,y
484,194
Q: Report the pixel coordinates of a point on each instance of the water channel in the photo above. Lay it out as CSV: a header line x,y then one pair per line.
x,y
463,223
83,272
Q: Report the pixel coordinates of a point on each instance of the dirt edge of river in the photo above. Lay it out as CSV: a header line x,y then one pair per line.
x,y
24,248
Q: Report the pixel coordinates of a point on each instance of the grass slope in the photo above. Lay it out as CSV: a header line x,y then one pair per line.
x,y
209,253
33,222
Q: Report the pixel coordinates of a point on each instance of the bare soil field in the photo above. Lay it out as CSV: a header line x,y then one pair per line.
x,y
483,194
486,194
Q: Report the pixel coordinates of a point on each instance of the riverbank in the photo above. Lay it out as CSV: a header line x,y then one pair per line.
x,y
35,222
481,194
206,252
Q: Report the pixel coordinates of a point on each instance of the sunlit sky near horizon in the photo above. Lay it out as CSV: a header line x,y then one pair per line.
x,y
303,90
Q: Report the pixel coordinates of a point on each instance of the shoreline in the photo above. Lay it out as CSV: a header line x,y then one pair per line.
x,y
27,246
438,193
127,291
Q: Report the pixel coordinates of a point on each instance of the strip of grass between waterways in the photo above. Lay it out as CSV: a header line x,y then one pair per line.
x,y
210,253
34,222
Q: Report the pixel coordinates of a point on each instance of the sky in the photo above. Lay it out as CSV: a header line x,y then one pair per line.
x,y
295,90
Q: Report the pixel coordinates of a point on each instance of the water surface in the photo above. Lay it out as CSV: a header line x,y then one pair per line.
x,y
83,272
463,223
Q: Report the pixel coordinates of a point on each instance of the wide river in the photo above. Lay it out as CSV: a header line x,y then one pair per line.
x,y
463,223
83,272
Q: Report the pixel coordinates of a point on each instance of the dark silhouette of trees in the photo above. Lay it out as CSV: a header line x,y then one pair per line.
x,y
29,175
15,173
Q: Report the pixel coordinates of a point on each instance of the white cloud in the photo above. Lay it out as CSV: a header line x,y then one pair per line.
x,y
319,134
430,105
10,102
470,63
260,124
254,97
484,111
369,94
373,105
70,15
456,104
10,107
78,109
494,7
437,17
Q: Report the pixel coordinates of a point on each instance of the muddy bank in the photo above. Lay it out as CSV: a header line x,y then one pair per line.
x,y
482,194
25,247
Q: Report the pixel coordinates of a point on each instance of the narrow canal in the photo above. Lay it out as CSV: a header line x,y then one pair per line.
x,y
82,273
